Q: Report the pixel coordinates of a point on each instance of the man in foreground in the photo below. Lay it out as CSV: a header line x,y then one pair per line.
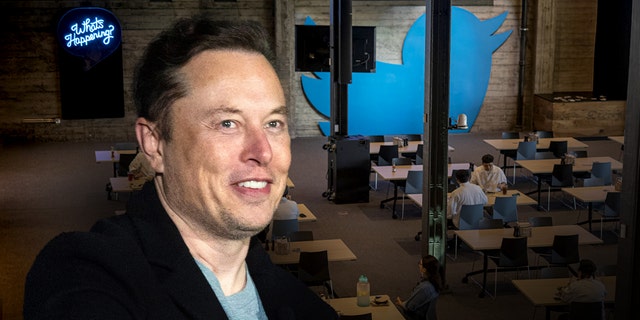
x,y
213,125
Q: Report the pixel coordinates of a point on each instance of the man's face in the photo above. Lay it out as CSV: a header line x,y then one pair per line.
x,y
226,167
487,166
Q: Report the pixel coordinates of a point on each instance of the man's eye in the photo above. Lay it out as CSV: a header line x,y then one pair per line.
x,y
227,124
274,124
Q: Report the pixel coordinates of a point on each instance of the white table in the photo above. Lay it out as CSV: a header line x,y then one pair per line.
x,y
541,292
122,184
504,145
308,215
542,167
105,156
541,237
590,195
401,173
618,139
349,306
374,147
521,200
337,250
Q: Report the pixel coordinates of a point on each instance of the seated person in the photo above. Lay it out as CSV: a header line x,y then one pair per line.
x,y
467,193
141,168
287,210
489,177
584,288
425,293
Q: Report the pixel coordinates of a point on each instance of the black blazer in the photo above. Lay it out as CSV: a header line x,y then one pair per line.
x,y
136,266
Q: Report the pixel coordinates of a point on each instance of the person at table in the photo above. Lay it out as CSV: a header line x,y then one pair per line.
x,y
212,120
467,193
287,210
584,288
489,177
141,168
425,294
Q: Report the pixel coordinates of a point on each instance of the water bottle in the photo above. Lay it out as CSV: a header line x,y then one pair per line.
x,y
362,290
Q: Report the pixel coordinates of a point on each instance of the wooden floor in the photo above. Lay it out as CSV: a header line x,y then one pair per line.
x,y
48,188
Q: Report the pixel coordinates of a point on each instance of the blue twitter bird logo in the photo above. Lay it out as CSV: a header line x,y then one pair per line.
x,y
391,101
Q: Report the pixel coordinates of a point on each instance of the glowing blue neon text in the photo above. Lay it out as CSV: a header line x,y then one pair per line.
x,y
88,31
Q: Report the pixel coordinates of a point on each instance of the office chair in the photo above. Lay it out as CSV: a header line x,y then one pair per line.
x,y
413,185
505,208
313,270
470,216
508,153
526,151
561,177
611,210
558,148
513,255
306,235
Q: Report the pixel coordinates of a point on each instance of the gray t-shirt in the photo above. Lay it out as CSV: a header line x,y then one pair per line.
x,y
245,304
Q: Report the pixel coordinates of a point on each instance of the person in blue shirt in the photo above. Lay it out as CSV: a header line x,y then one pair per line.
x,y
421,303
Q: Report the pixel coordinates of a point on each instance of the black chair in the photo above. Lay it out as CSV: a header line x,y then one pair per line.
x,y
526,151
544,134
364,316
398,183
411,137
386,154
301,236
541,221
611,210
564,252
378,138
313,270
513,255
558,148
510,135
561,177
419,152
586,311
508,153
580,153
486,223
283,228
123,164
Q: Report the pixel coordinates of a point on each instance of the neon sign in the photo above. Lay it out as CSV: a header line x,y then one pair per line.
x,y
90,33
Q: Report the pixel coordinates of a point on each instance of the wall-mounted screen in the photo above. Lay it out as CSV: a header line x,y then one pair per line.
x,y
313,48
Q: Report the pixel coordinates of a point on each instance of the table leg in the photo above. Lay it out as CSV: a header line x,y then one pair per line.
x,y
539,190
485,266
547,313
590,214
395,198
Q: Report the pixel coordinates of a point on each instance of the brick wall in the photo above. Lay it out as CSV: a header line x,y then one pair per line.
x,y
29,78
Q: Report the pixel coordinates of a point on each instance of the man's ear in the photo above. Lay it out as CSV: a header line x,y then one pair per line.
x,y
150,143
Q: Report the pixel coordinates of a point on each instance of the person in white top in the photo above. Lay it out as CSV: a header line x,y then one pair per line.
x,y
141,168
489,177
287,209
586,288
467,193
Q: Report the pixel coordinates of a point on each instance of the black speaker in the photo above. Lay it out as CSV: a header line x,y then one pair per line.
x,y
611,56
350,170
